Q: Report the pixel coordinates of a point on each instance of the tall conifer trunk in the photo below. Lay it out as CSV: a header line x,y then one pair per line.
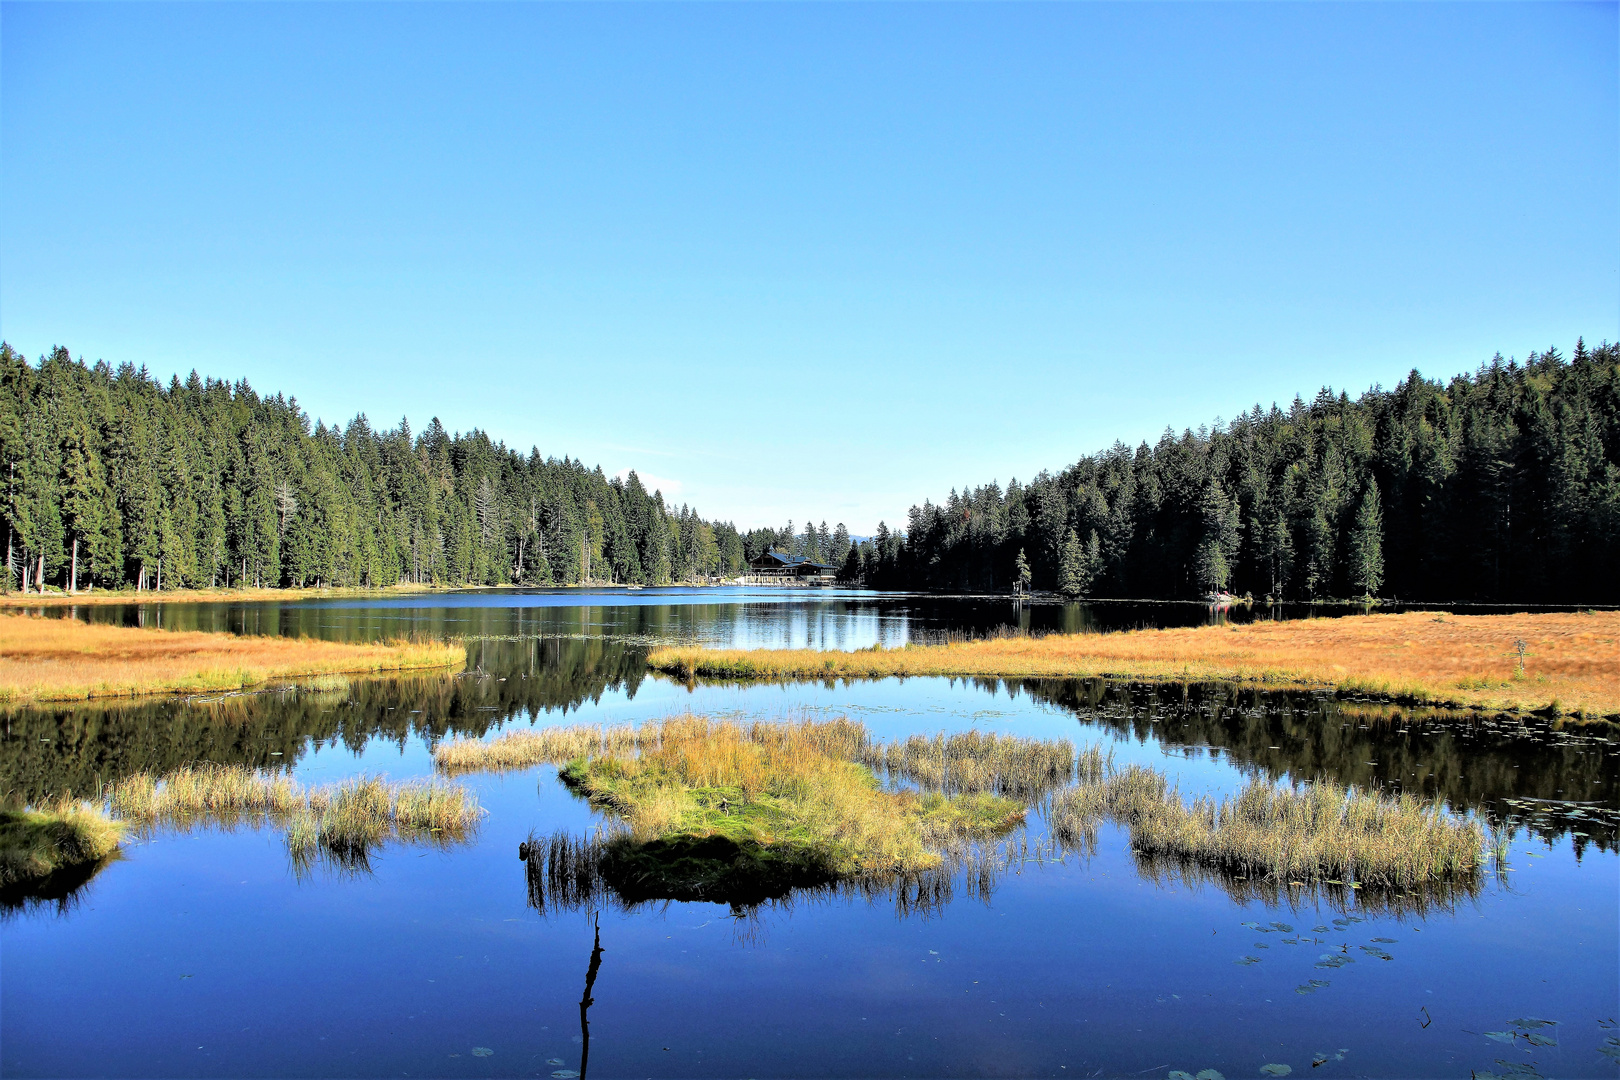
x,y
73,575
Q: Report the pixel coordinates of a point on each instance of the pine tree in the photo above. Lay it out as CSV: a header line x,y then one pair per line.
x,y
1366,543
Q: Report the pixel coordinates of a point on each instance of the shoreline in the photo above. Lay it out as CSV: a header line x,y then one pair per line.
x,y
1571,663
60,660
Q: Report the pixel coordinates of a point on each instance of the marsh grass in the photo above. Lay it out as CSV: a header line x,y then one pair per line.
x,y
344,821
50,850
1573,663
37,842
1319,833
786,795
66,660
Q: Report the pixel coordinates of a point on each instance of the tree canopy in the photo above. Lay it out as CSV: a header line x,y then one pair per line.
x,y
1498,486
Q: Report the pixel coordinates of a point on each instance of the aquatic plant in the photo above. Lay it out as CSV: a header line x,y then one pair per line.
x,y
43,846
1317,833
775,793
344,820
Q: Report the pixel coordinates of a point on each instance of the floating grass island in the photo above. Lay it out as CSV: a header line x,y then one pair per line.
x,y
1570,661
701,809
66,660
48,852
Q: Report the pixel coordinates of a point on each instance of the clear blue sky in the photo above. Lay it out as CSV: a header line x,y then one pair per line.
x,y
821,260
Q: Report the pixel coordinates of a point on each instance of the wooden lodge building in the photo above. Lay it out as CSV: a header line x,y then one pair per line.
x,y
775,568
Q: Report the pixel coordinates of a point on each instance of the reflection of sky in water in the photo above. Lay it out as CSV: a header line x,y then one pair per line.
x,y
204,954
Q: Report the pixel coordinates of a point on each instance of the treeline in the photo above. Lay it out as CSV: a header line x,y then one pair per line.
x,y
1503,485
112,479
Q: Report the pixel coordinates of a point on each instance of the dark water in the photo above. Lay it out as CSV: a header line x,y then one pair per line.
x,y
208,954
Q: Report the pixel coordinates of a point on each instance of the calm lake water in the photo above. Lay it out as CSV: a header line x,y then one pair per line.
x,y
207,953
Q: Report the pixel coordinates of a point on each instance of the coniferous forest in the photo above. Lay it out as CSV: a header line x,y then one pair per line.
x,y
205,483
1502,485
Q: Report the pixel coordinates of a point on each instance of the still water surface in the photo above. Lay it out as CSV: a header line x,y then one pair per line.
x,y
205,953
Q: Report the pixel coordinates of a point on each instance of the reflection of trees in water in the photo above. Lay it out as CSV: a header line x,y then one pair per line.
x,y
1472,762
78,747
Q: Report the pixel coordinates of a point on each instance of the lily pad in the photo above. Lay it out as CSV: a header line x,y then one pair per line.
x,y
1208,1074
1247,960
1250,925
1610,1048
555,1061
1319,929
1276,1070
482,1051
565,1074
1373,950
1530,1023
1261,945
1177,1074
1284,927
1385,940
1502,1036
1535,1038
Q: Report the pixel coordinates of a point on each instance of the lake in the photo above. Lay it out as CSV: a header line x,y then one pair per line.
x,y
208,952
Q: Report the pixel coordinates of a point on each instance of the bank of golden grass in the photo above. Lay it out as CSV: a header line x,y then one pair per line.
x,y
40,842
964,763
1317,833
1572,660
344,819
776,788
66,660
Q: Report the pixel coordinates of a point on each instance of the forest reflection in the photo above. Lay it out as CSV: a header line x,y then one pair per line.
x,y
1526,770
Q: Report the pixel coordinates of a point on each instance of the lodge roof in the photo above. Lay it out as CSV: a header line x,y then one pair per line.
x,y
796,562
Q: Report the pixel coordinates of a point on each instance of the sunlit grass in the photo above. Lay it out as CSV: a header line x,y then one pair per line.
x,y
64,659
37,843
345,819
1572,660
1320,832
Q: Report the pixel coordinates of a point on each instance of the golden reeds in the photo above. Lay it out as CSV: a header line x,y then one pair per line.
x,y
1318,833
66,660
1572,663
344,820
37,843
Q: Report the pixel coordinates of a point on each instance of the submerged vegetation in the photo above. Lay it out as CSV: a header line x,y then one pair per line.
x,y
1571,662
63,659
49,851
343,821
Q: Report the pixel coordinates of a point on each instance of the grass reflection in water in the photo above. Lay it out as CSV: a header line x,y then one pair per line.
x,y
749,813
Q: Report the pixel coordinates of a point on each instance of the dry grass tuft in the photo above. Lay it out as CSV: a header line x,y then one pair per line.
x,y
1321,833
37,843
1572,663
344,820
67,660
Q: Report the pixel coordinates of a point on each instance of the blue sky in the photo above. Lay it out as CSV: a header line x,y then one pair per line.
x,y
808,260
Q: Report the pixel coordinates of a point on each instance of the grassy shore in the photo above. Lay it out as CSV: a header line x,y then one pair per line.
x,y
40,845
1571,660
66,660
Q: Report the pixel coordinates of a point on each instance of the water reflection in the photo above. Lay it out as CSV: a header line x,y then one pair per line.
x,y
1524,770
